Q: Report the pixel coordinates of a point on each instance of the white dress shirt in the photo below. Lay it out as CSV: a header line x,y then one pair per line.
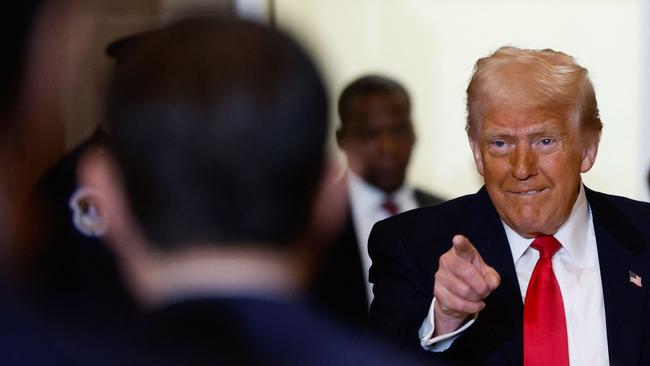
x,y
366,204
577,270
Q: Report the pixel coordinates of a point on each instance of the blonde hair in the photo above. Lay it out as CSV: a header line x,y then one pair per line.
x,y
535,79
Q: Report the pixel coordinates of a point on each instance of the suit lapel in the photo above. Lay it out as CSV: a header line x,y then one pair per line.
x,y
504,307
618,243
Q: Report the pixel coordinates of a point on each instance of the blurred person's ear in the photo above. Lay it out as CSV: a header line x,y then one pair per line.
x,y
99,174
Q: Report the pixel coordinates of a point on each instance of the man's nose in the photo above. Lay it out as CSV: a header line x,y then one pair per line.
x,y
387,143
524,162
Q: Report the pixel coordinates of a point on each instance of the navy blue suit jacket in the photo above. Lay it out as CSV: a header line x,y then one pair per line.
x,y
246,331
405,251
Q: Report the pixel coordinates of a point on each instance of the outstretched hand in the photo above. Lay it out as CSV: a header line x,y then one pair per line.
x,y
462,282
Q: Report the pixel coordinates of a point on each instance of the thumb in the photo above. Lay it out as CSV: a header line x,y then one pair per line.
x,y
492,277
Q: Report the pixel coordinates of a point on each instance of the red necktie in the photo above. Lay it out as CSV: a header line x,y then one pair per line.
x,y
390,206
545,338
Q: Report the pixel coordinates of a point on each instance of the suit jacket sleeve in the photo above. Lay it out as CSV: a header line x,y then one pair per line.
x,y
405,250
404,261
401,294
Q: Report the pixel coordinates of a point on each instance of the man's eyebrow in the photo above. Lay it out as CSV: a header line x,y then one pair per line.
x,y
496,132
533,131
548,130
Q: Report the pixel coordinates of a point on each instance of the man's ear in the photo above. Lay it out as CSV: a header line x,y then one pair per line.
x,y
340,138
478,156
589,152
98,172
350,151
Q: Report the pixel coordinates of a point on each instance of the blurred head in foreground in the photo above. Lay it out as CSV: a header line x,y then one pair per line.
x,y
218,153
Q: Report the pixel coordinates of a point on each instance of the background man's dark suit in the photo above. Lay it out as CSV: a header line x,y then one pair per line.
x,y
339,286
410,243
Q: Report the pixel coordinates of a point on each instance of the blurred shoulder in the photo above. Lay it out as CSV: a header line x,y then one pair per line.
x,y
440,215
425,198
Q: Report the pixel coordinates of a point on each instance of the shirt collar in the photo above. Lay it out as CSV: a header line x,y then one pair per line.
x,y
368,197
573,234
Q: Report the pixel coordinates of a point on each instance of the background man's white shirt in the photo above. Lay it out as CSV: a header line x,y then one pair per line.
x,y
577,271
366,204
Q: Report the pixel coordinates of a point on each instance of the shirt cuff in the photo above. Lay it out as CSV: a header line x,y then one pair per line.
x,y
442,342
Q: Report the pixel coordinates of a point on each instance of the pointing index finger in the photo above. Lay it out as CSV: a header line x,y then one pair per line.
x,y
463,247
465,250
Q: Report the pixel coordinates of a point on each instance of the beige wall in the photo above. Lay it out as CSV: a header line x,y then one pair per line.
x,y
108,21
105,22
67,74
432,45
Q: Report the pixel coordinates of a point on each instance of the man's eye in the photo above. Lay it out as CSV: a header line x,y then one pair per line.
x,y
367,134
547,141
401,130
498,143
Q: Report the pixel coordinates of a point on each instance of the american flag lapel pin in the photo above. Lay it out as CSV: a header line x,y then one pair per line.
x,y
635,279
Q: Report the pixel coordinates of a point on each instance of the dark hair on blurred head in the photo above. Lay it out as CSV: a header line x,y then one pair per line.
x,y
366,85
219,127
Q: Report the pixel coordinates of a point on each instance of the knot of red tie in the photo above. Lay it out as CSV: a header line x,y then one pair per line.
x,y
547,245
390,206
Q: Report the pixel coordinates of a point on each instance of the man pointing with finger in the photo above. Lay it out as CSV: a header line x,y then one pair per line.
x,y
535,268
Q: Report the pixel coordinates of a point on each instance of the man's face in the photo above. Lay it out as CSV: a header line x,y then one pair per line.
x,y
531,161
378,138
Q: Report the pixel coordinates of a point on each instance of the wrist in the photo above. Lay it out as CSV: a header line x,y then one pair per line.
x,y
444,323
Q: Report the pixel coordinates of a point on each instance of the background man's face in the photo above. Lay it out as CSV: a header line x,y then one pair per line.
x,y
531,161
378,138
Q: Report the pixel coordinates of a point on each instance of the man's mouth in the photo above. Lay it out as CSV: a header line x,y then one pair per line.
x,y
530,192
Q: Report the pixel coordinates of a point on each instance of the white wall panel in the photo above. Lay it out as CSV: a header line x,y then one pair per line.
x,y
431,46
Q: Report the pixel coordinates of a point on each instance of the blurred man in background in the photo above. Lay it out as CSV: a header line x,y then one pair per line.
x,y
377,137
